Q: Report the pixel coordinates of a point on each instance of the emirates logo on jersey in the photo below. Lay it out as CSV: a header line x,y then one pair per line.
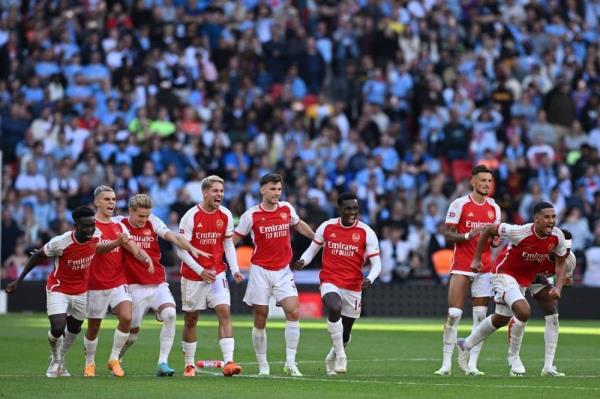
x,y
355,237
219,224
147,232
284,216
491,214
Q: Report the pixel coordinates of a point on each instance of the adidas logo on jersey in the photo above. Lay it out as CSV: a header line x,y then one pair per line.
x,y
199,225
332,235
470,214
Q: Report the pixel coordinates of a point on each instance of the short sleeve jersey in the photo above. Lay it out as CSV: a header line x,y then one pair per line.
x,y
107,270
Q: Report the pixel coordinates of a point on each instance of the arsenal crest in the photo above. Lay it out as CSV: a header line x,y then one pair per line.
x,y
355,237
219,224
284,216
147,232
491,214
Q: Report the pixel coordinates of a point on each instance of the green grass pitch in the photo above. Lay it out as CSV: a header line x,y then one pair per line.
x,y
388,358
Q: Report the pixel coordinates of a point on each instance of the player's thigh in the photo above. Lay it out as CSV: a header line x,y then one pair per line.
x,y
260,286
120,296
351,303
331,296
458,290
77,306
141,296
162,298
193,295
507,292
482,289
284,286
98,302
56,303
548,304
218,292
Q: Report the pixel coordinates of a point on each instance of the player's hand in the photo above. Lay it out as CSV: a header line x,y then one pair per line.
x,y
568,281
496,242
149,263
366,283
476,265
475,232
196,253
12,287
238,277
123,239
208,276
541,279
555,293
298,265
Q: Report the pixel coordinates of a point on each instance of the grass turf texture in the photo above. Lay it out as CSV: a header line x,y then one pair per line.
x,y
387,358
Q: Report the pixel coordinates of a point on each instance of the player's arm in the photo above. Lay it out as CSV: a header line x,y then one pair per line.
x,y
138,253
243,228
181,243
373,273
231,256
307,256
491,230
35,259
106,247
560,277
453,236
303,228
182,248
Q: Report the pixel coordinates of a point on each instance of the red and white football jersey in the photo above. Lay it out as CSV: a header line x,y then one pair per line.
x,y
146,237
107,270
270,231
206,232
466,214
72,262
527,251
345,250
548,267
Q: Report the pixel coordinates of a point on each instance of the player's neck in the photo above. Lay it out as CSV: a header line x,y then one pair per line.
x,y
268,206
478,198
206,208
102,218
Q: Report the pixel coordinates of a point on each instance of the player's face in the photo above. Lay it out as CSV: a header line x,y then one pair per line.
x,y
139,217
105,202
213,196
482,182
271,192
545,221
349,212
84,228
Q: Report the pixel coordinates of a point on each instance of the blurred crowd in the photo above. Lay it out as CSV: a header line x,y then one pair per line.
x,y
394,99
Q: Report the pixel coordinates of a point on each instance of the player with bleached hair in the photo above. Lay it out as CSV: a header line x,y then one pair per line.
x,y
347,243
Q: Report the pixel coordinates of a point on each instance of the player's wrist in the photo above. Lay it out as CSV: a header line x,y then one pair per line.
x,y
467,235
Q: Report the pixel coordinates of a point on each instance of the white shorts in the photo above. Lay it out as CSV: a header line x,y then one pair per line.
x,y
351,300
100,300
72,305
508,291
481,286
200,295
148,296
263,283
534,289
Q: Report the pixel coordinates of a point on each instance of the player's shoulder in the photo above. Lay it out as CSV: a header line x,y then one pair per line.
x,y
285,204
253,209
365,227
64,237
224,210
492,202
118,219
557,232
461,201
192,211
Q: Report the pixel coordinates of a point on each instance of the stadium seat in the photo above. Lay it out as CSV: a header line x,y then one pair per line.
x,y
244,253
442,263
461,170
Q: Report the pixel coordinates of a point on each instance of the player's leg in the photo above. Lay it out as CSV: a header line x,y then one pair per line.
x,y
333,302
219,300
458,289
257,295
122,309
286,294
351,308
482,291
140,303
58,323
167,313
90,343
75,315
189,341
550,308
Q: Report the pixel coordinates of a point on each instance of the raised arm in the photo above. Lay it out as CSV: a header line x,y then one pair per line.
x,y
491,230
33,261
453,236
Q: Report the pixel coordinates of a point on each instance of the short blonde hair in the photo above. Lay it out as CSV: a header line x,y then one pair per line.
x,y
140,201
101,189
208,182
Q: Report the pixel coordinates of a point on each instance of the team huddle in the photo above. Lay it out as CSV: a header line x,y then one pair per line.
x,y
114,262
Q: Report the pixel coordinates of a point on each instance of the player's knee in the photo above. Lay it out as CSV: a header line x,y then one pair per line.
x,y
293,314
522,312
168,315
454,315
57,330
125,320
191,319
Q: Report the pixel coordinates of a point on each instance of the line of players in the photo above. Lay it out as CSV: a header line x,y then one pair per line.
x,y
533,252
114,262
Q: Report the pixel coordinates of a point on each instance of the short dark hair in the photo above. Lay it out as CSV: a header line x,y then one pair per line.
x,y
271,178
480,169
540,206
82,212
346,196
567,234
